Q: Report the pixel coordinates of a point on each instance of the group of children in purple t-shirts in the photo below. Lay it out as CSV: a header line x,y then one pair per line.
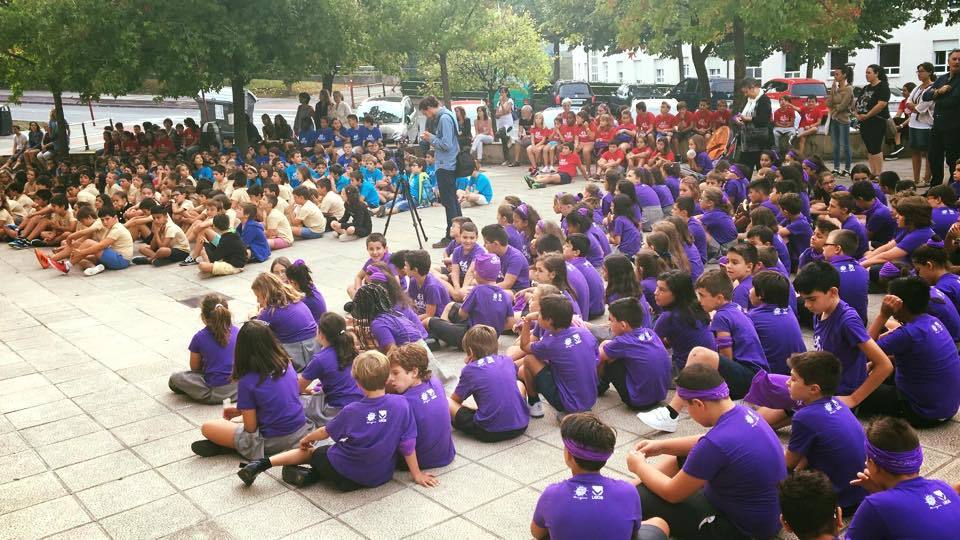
x,y
714,334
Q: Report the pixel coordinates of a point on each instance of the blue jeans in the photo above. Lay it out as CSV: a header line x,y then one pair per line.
x,y
840,137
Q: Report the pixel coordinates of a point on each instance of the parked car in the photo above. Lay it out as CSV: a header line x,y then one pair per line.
x,y
578,92
394,115
627,93
798,88
469,107
688,91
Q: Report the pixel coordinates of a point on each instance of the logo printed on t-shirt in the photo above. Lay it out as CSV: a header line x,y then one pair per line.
x,y
937,500
831,406
572,340
751,418
580,493
937,327
497,296
428,395
816,343
382,416
597,493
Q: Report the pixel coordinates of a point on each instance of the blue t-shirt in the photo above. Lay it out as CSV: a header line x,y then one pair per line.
x,y
369,194
481,184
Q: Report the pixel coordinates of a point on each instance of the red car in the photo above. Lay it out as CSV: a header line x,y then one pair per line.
x,y
798,88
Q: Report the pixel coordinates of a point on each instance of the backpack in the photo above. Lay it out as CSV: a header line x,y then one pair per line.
x,y
465,164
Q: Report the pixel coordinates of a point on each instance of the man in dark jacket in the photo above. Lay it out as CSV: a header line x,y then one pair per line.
x,y
945,135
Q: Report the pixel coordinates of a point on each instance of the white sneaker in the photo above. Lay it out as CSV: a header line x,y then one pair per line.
x,y
94,270
536,410
659,419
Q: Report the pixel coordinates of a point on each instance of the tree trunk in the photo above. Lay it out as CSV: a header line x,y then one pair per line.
x,y
739,63
556,60
809,73
679,54
445,80
61,141
239,113
328,82
699,57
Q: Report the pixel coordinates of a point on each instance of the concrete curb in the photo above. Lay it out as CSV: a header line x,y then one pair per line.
x,y
119,102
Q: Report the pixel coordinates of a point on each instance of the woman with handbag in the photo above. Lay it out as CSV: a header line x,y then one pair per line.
x,y
872,113
839,101
920,122
755,119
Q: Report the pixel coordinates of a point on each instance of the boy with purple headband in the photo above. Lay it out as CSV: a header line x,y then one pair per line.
x,y
722,485
590,505
901,504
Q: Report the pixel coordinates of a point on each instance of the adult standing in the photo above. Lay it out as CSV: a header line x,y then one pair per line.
x,y
323,108
920,121
506,131
443,139
340,108
755,120
839,102
945,136
872,113
303,121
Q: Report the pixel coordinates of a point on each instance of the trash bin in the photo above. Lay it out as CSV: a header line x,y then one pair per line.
x,y
6,121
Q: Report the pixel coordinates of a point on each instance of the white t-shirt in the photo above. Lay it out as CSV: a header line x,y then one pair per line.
x,y
88,195
506,121
177,236
311,216
122,241
923,117
332,205
19,142
279,222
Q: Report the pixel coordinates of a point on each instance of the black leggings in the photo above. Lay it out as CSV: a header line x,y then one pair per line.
x,y
688,520
615,372
886,400
447,332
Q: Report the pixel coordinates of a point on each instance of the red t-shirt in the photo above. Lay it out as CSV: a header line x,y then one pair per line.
x,y
190,137
568,133
165,144
784,117
703,119
607,135
613,155
131,146
584,133
684,119
810,116
668,156
568,163
665,121
721,118
539,135
646,121
644,152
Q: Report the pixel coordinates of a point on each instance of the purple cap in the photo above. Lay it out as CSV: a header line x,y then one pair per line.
x,y
889,270
487,266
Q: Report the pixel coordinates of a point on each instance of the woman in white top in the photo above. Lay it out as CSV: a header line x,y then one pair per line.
x,y
340,109
506,131
483,134
921,121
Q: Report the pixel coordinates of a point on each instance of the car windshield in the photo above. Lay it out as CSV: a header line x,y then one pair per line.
x,y
722,87
574,89
808,89
382,112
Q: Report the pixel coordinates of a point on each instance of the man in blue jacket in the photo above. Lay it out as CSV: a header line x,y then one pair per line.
x,y
443,139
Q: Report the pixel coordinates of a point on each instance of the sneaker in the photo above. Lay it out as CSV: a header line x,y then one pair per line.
x,y
897,150
299,476
514,163
536,410
188,261
94,271
529,181
140,259
20,243
536,185
63,266
836,172
505,164
36,242
659,419
442,243
844,172
207,448
42,259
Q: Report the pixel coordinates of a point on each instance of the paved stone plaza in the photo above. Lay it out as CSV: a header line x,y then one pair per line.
x,y
93,444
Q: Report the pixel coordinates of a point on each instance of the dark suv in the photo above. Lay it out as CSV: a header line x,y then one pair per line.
x,y
578,92
627,93
688,90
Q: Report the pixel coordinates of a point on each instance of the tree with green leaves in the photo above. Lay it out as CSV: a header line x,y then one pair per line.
x,y
83,46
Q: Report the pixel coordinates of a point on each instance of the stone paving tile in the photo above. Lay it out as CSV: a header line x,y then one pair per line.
x,y
272,518
21,465
206,530
458,528
106,468
79,449
60,430
29,491
168,449
41,414
124,494
151,429
336,503
12,443
229,493
195,471
153,520
330,529
468,487
380,519
43,519
25,399
509,515
527,462
129,412
91,531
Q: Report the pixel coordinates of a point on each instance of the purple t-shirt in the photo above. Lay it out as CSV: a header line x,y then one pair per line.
x,y
450,247
854,282
699,237
646,195
339,387
515,238
928,370
949,285
291,323
595,287
943,218
630,238
407,311
911,240
664,194
367,436
368,264
683,336
314,300
742,462
464,260
914,508
492,383
514,263
779,333
741,293
673,184
649,287
277,402
880,223
434,432
647,363
731,319
647,318
589,505
842,333
696,263
488,304
809,256
704,162
217,359
394,329
799,239
571,354
720,226
853,224
831,438
768,204
599,245
433,293
941,308
579,285
783,252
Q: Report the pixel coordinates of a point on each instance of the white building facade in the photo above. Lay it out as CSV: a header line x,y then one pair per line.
x,y
907,47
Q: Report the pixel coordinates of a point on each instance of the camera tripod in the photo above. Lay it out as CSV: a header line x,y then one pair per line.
x,y
402,189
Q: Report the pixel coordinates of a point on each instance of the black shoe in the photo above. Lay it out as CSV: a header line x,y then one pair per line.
x,y
207,448
36,242
140,260
836,172
442,243
897,151
299,476
248,473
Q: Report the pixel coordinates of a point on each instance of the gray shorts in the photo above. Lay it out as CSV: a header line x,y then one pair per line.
x,y
651,215
317,409
301,352
191,384
255,446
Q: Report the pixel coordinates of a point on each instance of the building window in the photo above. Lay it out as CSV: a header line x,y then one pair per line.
x,y
791,65
890,58
593,70
619,71
839,58
754,72
606,72
713,72
660,76
637,70
941,50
